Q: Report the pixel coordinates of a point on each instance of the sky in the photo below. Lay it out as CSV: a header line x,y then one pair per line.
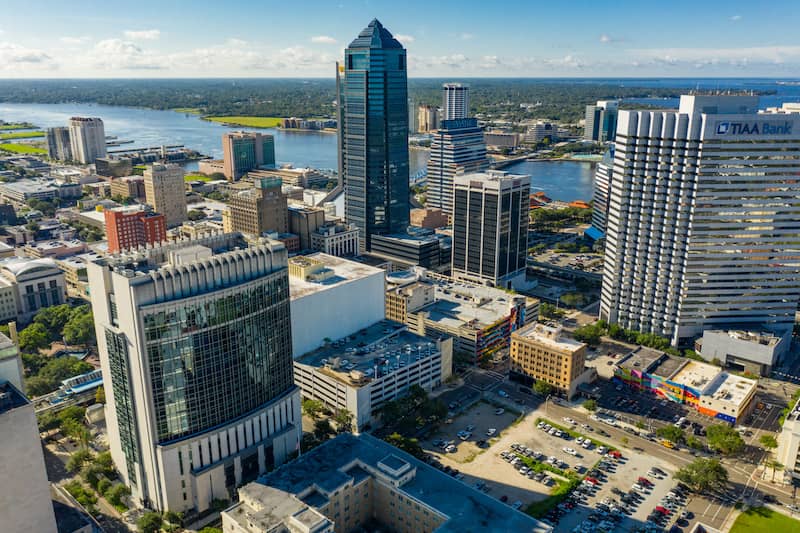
x,y
466,38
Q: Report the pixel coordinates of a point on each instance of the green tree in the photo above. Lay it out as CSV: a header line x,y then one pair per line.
x,y
78,459
209,529
34,338
100,395
117,493
149,522
53,372
54,318
344,420
312,408
769,442
542,388
103,485
195,214
323,429
590,405
408,445
79,329
590,334
724,439
703,475
694,443
673,434
775,466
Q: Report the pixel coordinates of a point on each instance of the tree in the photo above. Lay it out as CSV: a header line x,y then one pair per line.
x,y
673,434
312,408
768,442
344,420
117,493
149,522
703,475
54,318
724,439
323,429
34,338
590,405
195,214
408,445
639,424
694,443
78,459
590,334
100,395
775,466
209,529
79,329
542,388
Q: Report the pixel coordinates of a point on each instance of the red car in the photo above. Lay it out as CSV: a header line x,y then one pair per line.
x,y
663,510
645,481
615,454
592,480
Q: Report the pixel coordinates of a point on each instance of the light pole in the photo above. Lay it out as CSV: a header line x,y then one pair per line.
x,y
547,399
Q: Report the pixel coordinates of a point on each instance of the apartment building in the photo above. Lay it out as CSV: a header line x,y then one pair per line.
x,y
540,352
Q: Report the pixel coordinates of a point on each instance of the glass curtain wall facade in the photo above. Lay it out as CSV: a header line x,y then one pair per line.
x,y
373,133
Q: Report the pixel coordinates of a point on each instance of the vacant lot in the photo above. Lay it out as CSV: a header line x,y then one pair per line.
x,y
250,122
763,520
27,149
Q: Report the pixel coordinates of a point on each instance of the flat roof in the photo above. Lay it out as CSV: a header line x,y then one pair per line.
x,y
383,347
10,397
763,337
328,466
464,304
344,271
273,507
668,367
730,388
696,375
642,359
550,336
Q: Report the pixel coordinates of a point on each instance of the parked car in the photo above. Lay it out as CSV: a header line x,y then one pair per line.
x,y
499,411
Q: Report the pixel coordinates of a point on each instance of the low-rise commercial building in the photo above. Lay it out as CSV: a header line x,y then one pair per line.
x,y
113,167
128,187
34,284
300,177
540,352
331,297
421,248
334,238
362,371
352,482
304,221
479,318
744,350
501,139
707,388
75,275
22,191
55,248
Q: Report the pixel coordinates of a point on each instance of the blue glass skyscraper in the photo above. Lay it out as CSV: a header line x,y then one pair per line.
x,y
373,133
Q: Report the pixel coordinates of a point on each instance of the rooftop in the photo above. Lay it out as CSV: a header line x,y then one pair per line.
x,y
375,351
642,359
375,36
765,338
10,397
696,375
342,271
490,179
30,185
329,466
22,265
549,336
730,388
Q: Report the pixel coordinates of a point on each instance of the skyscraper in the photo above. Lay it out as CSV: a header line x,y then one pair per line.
x,y
427,118
259,208
373,132
703,219
457,148
196,351
602,191
601,121
165,191
58,144
87,139
455,101
243,151
490,227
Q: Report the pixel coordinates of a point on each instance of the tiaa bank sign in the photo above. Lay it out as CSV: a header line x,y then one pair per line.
x,y
754,128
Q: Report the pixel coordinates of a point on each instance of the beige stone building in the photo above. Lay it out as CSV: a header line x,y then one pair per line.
x,y
540,352
165,191
429,218
257,208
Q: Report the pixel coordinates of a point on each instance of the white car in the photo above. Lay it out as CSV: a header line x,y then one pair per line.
x,y
570,421
586,444
499,411
491,432
451,449
579,440
570,451
516,505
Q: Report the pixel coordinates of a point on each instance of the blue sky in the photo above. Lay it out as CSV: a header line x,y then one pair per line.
x,y
303,38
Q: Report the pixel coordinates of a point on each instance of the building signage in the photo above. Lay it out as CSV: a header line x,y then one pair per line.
x,y
754,128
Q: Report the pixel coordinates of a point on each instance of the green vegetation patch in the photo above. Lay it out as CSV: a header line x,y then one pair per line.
x,y
250,122
17,126
189,110
25,149
763,520
197,177
21,135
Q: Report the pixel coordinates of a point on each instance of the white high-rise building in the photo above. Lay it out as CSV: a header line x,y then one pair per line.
x,y
490,227
455,101
87,139
196,350
703,228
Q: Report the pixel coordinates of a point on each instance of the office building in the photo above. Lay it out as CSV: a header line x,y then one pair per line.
x,y
413,118
331,297
76,277
376,366
258,208
304,222
165,192
25,503
455,101
601,121
702,205
335,238
132,227
706,388
490,228
354,483
54,248
541,131
480,319
44,189
59,146
418,247
113,167
429,218
427,118
196,353
501,139
33,284
128,187
87,139
542,353
373,133
457,147
244,151
754,351
788,451
602,191
306,178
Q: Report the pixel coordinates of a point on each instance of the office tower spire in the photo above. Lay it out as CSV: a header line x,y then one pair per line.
x,y
373,133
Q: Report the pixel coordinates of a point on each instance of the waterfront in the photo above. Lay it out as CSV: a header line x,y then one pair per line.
x,y
560,180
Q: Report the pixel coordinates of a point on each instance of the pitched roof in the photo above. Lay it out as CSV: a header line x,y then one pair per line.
x,y
375,36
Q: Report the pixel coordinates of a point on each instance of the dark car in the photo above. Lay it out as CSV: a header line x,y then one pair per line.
x,y
503,498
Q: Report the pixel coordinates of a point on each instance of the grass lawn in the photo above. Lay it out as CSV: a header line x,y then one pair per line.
x,y
21,135
196,177
22,149
251,122
763,520
17,126
189,110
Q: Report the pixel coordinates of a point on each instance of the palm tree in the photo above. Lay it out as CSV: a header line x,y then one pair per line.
x,y
774,465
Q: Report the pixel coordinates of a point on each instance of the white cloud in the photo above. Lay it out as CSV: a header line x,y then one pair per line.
x,y
13,56
569,61
729,56
323,39
607,39
143,35
117,54
405,39
467,36
75,40
736,18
